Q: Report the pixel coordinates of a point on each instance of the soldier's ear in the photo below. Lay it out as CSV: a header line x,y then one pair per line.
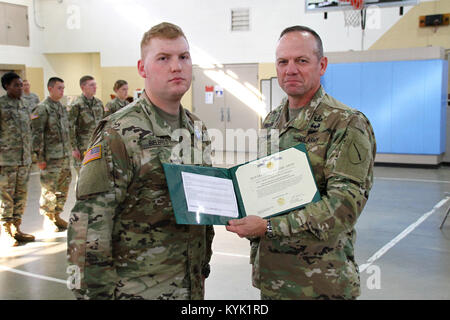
x,y
141,69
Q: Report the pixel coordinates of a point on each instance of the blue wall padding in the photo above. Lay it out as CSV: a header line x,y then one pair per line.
x,y
404,100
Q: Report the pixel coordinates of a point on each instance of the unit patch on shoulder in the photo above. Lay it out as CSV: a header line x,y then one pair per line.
x,y
93,153
34,116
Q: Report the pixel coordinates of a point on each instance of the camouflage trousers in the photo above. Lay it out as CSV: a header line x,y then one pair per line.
x,y
55,182
13,191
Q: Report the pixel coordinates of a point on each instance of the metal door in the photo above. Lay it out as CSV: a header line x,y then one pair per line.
x,y
17,25
236,106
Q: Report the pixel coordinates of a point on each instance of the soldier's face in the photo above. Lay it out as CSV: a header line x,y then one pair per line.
x,y
89,88
122,92
57,91
167,68
298,67
26,86
15,88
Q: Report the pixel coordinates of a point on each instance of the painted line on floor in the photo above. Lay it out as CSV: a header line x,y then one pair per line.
x,y
231,254
403,234
32,275
412,180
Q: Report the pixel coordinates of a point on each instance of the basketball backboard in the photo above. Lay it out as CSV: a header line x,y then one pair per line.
x,y
336,5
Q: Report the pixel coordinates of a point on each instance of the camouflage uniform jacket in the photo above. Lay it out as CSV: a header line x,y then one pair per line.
x,y
84,115
312,252
50,125
114,105
30,100
122,234
15,132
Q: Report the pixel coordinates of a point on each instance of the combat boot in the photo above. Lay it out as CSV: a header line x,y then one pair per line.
x,y
55,221
6,235
19,235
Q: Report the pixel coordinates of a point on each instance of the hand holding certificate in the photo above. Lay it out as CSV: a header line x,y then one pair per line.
x,y
265,187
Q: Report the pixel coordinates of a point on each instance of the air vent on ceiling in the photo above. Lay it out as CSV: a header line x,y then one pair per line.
x,y
240,19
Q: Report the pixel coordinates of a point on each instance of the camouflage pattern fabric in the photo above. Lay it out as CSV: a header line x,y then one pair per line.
x,y
311,255
84,115
13,191
55,182
50,128
123,241
30,100
15,132
114,105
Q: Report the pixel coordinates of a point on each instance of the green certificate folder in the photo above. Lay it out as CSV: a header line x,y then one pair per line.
x,y
265,187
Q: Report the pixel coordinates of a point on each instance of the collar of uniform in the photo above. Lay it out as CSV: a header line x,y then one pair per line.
x,y
53,104
305,115
89,102
160,127
13,102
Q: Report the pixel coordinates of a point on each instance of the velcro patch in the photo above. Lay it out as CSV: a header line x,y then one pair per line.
x,y
93,153
34,116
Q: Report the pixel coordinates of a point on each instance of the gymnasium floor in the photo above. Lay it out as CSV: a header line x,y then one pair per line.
x,y
401,251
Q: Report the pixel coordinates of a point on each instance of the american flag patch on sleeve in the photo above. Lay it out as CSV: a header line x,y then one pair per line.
x,y
34,116
92,154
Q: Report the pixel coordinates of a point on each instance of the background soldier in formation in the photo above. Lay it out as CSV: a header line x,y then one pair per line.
x,y
309,253
51,144
84,115
120,101
123,237
30,99
15,159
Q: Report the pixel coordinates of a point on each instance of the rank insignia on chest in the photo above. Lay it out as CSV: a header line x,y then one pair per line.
x,y
92,154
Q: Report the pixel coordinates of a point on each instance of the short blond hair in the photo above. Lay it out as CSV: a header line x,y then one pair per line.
x,y
164,30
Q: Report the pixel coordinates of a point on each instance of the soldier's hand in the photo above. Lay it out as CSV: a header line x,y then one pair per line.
x,y
250,226
42,165
76,154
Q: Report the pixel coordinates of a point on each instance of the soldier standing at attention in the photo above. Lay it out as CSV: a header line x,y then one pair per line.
x,y
31,99
51,144
15,159
120,101
84,115
309,253
123,240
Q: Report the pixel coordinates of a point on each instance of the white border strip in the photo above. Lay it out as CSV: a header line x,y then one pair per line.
x,y
405,232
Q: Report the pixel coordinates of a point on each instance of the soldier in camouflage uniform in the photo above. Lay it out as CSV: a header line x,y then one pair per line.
x,y
15,159
84,115
30,99
123,240
120,101
51,144
309,253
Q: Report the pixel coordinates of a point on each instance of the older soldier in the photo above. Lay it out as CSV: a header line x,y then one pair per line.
x,y
123,241
31,99
51,143
120,101
84,115
309,253
15,159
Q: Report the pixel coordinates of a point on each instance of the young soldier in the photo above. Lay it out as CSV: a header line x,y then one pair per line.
x,y
51,144
123,240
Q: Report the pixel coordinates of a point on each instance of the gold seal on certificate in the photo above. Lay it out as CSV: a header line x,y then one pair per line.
x,y
276,183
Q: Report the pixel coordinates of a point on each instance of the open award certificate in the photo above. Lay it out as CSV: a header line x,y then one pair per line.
x,y
265,187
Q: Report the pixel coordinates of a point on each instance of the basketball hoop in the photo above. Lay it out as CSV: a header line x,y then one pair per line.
x,y
352,18
356,16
